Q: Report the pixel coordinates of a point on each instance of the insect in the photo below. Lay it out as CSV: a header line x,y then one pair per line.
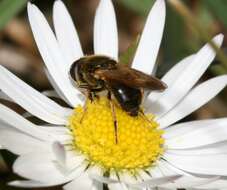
x,y
98,73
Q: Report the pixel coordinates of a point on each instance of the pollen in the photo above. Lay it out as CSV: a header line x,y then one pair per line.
x,y
139,144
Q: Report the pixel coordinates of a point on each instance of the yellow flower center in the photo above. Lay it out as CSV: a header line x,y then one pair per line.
x,y
139,139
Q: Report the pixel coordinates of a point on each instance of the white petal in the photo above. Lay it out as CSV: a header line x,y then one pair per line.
x,y
117,186
206,165
97,185
38,167
71,164
166,169
97,175
102,179
66,33
219,184
83,183
3,96
199,96
174,94
59,152
217,148
186,181
42,168
127,178
56,129
74,163
183,128
15,120
189,182
157,181
204,135
169,78
105,30
30,99
50,93
27,184
18,142
56,87
51,54
150,41
62,134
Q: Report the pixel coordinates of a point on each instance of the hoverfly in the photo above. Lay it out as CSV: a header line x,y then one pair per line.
x,y
98,73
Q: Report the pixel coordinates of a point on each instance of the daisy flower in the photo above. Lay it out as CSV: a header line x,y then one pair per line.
x,y
83,155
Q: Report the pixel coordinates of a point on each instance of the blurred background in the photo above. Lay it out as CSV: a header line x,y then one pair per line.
x,y
188,27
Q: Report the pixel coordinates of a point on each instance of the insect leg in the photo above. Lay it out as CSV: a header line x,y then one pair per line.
x,y
114,116
144,116
89,96
96,96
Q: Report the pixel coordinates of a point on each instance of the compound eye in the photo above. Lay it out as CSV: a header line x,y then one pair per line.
x,y
72,71
75,73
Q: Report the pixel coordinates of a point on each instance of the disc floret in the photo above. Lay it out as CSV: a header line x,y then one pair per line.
x,y
140,142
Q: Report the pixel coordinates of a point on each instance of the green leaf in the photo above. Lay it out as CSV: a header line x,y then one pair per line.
x,y
8,9
141,7
218,8
127,56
